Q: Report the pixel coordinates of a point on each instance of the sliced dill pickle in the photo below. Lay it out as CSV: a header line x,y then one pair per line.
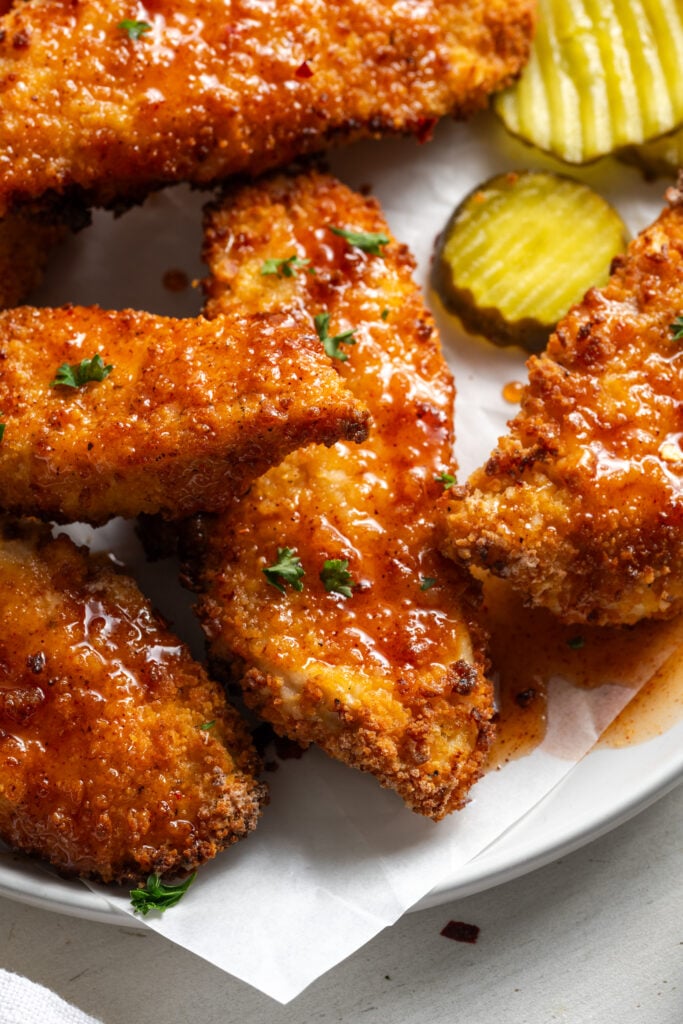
x,y
520,250
659,158
603,74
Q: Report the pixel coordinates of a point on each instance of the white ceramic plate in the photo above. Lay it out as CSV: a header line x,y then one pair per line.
x,y
606,789
418,186
602,792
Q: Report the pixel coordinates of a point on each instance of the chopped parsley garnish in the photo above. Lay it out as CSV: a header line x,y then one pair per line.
x,y
2,431
336,577
207,725
427,582
82,373
134,28
157,896
285,267
331,342
447,479
287,569
576,642
366,240
384,314
676,329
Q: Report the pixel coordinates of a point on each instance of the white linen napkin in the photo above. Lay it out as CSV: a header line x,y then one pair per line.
x,y
24,1002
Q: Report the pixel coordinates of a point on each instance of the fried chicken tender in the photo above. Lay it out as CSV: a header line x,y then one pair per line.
x,y
106,99
189,415
118,755
388,679
25,245
580,505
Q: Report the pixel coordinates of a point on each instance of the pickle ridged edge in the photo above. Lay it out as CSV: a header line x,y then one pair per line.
x,y
507,266
601,76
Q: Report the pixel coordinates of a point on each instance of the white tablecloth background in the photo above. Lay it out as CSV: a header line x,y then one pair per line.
x,y
596,937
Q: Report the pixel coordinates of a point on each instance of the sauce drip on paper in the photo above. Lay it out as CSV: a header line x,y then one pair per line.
x,y
528,648
512,391
655,708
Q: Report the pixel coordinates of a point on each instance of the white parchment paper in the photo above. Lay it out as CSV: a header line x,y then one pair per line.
x,y
336,859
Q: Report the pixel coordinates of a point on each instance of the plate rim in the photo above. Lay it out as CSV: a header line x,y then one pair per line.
x,y
491,867
494,866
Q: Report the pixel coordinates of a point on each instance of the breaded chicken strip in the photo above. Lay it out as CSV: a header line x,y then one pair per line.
x,y
188,415
25,245
118,756
383,671
108,99
581,505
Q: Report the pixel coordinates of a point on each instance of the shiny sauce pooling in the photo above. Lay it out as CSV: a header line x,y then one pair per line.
x,y
528,647
105,768
657,707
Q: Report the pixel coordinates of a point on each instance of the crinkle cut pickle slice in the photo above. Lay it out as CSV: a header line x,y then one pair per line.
x,y
509,266
603,74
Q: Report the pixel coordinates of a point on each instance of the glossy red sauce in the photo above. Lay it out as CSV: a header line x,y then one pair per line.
x,y
530,647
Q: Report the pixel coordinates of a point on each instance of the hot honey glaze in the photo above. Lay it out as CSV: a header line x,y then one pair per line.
x,y
107,766
512,391
529,647
655,708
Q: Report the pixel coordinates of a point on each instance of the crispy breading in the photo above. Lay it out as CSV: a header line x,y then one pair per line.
x,y
389,679
210,89
580,505
190,414
25,245
108,766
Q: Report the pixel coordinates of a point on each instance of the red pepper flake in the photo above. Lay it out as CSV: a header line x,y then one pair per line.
x,y
425,129
304,70
21,40
460,931
36,662
175,280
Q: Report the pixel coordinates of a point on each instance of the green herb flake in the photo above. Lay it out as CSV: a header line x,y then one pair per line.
x,y
676,329
155,895
384,314
576,642
134,28
336,577
207,725
331,342
427,582
80,374
287,569
285,267
366,240
447,479
2,431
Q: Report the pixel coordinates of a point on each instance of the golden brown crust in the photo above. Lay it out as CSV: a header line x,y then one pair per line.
x,y
581,505
191,413
389,680
105,769
216,89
